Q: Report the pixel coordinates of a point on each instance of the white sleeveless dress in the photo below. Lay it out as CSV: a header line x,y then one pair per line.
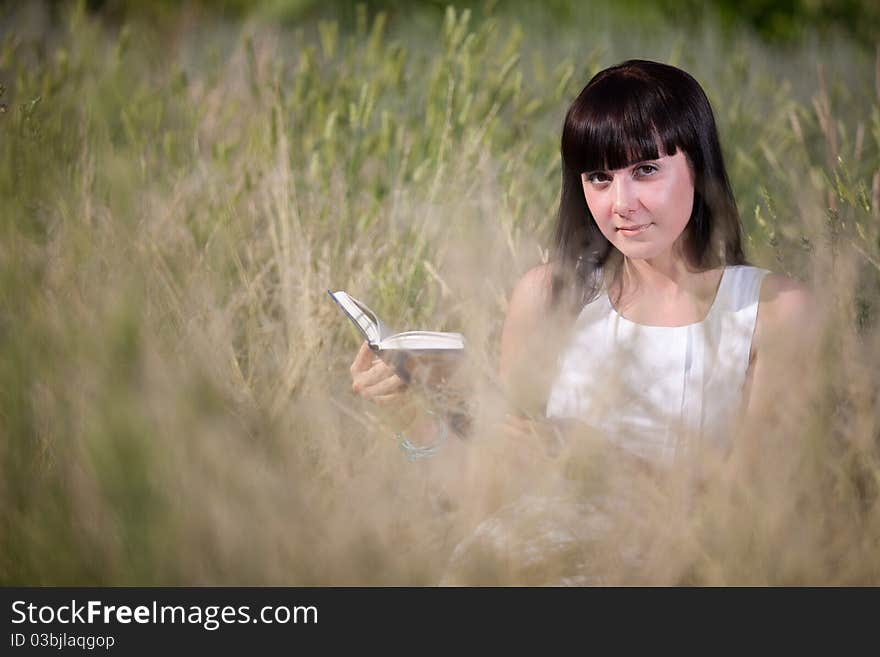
x,y
657,392
660,391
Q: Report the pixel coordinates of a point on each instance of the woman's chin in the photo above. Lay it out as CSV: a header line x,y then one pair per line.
x,y
643,251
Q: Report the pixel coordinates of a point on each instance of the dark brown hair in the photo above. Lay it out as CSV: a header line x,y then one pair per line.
x,y
621,117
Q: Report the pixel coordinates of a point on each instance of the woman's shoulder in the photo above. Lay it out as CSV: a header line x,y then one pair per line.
x,y
785,306
777,293
532,293
784,296
525,325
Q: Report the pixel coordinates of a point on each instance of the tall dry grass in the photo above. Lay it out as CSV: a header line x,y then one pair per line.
x,y
174,392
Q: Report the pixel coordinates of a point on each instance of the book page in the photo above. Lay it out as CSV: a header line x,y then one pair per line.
x,y
370,326
424,340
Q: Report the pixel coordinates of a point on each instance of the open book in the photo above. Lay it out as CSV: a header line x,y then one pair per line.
x,y
382,338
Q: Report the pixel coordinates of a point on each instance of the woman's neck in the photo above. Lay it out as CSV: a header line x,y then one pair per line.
x,y
665,275
663,291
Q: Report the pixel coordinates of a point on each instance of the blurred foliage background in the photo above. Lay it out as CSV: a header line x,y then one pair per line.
x,y
776,21
181,182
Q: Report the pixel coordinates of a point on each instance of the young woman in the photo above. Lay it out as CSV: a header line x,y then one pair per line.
x,y
673,338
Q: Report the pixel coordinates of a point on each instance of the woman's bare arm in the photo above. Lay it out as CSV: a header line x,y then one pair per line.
x,y
527,336
782,362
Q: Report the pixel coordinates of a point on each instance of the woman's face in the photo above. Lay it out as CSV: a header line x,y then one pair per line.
x,y
643,208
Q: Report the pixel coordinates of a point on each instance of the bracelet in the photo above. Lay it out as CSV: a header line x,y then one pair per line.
x,y
416,452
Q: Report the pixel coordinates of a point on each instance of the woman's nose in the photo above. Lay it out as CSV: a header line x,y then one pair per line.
x,y
625,201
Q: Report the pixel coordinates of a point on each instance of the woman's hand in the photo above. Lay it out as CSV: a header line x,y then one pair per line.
x,y
541,436
378,382
375,380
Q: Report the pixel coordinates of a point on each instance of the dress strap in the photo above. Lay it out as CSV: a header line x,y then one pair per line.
x,y
740,288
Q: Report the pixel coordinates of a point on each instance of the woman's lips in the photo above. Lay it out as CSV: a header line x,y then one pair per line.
x,y
630,231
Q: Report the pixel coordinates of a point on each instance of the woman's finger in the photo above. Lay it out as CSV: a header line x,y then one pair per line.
x,y
375,374
364,359
393,399
385,386
516,426
518,422
513,431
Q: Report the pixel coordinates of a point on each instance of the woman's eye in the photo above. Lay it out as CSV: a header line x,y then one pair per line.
x,y
597,177
645,169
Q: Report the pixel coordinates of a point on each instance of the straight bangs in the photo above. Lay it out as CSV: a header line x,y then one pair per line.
x,y
616,122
